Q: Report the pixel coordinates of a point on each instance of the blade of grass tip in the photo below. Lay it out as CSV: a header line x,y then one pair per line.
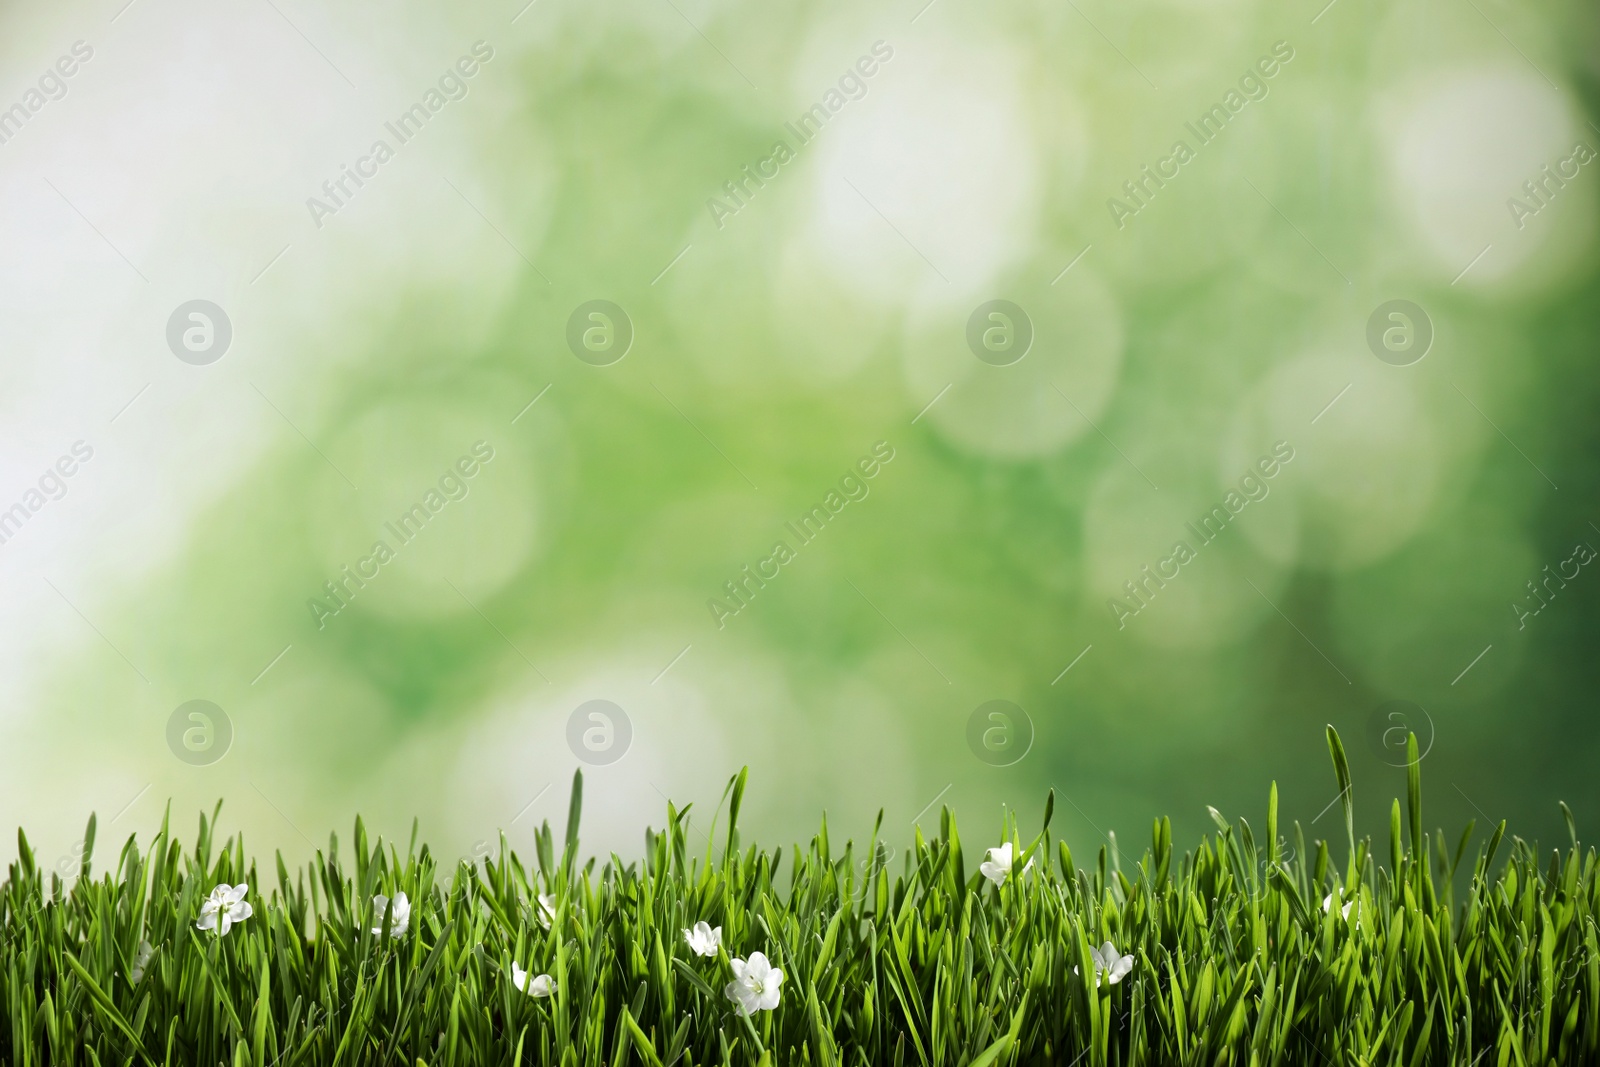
x,y
640,1041
993,1052
88,846
1566,813
1341,771
24,855
733,810
1493,846
574,812
1291,892
1216,817
877,828
1461,847
543,849
716,813
695,980
1272,824
1414,799
1396,844
1026,857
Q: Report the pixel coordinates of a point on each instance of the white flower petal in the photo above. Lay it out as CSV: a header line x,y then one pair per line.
x,y
736,992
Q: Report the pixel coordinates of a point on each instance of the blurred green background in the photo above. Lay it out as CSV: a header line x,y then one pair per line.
x,y
772,348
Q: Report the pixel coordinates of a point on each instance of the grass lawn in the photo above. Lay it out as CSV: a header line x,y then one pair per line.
x,y
1001,951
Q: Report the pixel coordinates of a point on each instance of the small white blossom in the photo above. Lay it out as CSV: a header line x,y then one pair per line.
x,y
224,907
1109,964
703,939
141,962
1344,912
547,909
755,984
539,985
997,868
399,922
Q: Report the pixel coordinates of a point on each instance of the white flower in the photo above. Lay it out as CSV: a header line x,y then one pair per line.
x,y
703,939
755,984
547,909
1108,963
399,922
1344,912
224,907
540,985
997,868
141,962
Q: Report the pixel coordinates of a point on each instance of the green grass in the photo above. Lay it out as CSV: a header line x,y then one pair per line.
x,y
1236,959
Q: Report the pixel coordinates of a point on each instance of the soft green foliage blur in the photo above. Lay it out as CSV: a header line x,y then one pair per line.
x,y
823,317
